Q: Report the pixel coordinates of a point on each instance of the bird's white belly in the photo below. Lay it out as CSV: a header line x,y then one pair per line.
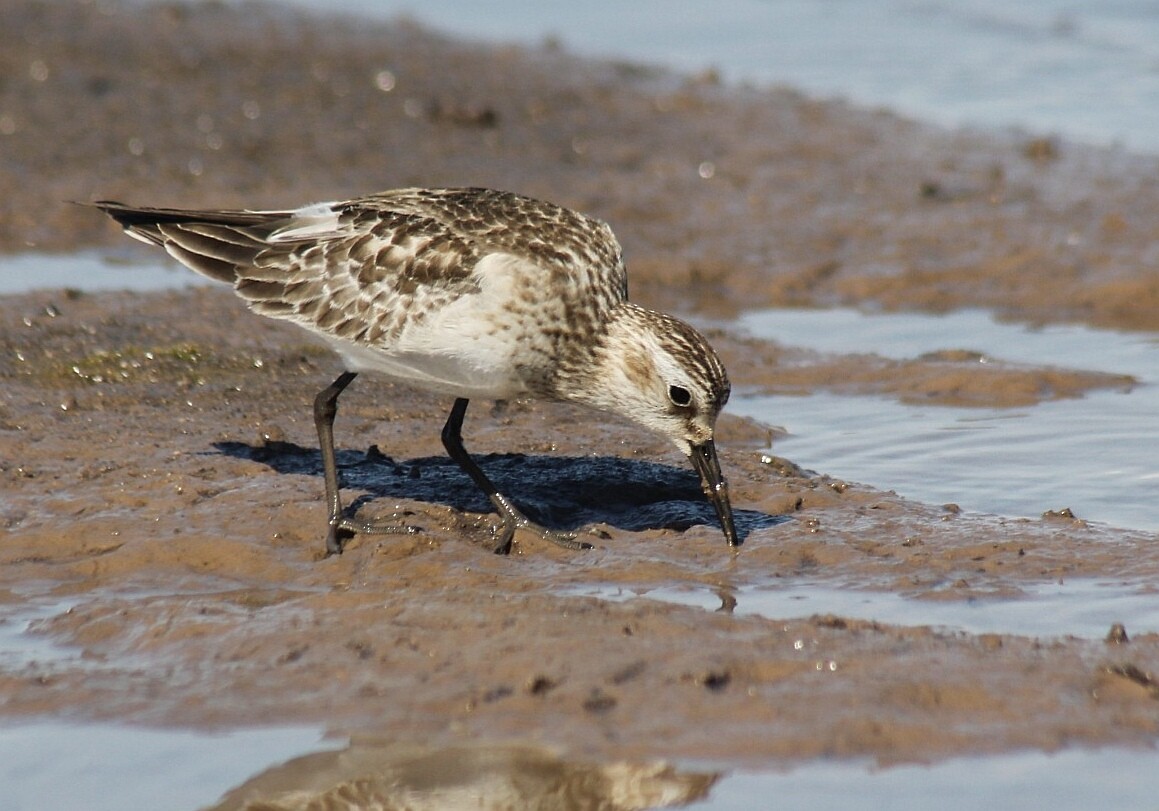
x,y
473,346
471,374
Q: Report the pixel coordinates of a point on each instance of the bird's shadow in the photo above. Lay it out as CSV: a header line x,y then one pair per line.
x,y
561,492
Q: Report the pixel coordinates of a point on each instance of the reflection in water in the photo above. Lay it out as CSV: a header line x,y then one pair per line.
x,y
379,775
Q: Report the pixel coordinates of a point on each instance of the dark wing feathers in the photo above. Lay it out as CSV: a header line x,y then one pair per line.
x,y
217,244
502,221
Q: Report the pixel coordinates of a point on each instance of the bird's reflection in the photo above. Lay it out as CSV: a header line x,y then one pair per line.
x,y
378,775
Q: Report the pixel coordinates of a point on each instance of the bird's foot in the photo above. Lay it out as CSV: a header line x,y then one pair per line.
x,y
513,519
342,529
507,529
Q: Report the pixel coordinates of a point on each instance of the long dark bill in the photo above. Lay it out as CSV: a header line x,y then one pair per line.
x,y
715,487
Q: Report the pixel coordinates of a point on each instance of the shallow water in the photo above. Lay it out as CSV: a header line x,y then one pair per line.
x,y
1086,71
50,766
1087,453
1082,608
21,646
89,272
1072,779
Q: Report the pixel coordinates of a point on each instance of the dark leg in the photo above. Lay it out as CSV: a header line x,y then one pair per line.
x,y
513,519
325,409
341,528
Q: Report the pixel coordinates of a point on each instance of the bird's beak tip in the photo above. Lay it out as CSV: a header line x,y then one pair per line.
x,y
715,487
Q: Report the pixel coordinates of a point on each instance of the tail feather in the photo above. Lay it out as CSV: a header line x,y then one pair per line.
x,y
213,242
209,266
217,244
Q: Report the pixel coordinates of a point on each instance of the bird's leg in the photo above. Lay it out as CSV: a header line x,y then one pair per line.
x,y
325,409
340,527
513,519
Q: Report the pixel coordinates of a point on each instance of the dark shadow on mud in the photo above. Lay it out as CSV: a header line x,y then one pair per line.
x,y
560,492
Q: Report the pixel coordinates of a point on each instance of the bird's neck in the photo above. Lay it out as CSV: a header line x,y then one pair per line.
x,y
618,356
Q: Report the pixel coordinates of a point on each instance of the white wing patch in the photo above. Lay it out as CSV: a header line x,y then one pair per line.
x,y
316,221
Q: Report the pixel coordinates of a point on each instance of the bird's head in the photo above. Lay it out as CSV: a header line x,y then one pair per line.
x,y
661,373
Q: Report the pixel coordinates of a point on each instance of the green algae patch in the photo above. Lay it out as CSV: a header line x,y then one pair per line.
x,y
184,362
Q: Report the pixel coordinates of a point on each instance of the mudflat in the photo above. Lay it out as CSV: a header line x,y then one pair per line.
x,y
160,472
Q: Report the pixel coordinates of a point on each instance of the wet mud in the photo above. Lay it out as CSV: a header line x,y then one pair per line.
x,y
161,493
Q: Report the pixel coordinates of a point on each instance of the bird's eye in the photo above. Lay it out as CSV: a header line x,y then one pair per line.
x,y
679,396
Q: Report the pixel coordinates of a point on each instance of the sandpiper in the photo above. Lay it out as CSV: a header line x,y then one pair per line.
x,y
466,292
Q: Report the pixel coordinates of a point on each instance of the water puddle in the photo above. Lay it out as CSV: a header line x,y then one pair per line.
x,y
1089,454
21,646
1072,779
91,273
45,766
105,767
1085,609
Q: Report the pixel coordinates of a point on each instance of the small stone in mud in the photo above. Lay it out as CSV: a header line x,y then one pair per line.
x,y
831,621
272,435
715,680
540,685
930,189
497,693
1041,149
784,467
463,115
628,672
990,642
362,650
599,702
1118,635
292,655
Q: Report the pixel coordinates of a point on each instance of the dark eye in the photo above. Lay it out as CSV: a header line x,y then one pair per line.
x,y
679,396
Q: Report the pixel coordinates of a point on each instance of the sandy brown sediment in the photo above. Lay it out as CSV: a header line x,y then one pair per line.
x,y
168,487
806,202
159,468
